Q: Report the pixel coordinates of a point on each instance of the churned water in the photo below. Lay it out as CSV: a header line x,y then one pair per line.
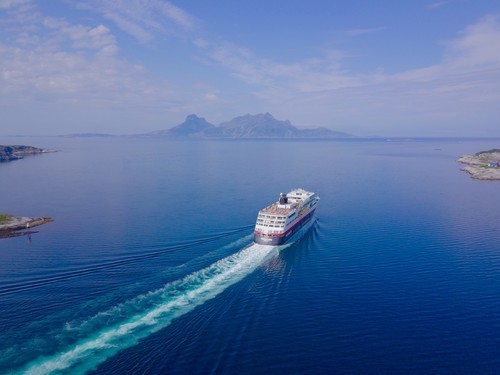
x,y
149,265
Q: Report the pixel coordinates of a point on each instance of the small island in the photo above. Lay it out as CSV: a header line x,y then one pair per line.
x,y
483,165
14,226
16,152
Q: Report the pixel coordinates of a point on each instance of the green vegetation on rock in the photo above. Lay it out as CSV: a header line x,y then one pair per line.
x,y
4,218
482,165
487,152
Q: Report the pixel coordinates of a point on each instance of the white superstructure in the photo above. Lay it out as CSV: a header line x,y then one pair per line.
x,y
279,221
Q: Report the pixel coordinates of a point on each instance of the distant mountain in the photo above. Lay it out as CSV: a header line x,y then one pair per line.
x,y
258,126
322,132
87,135
193,126
266,126
247,126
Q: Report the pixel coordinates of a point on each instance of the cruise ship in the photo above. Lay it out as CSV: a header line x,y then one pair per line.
x,y
280,220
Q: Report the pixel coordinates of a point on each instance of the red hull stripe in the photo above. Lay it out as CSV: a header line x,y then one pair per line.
x,y
289,229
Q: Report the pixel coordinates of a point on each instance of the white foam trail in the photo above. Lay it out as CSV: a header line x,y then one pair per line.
x,y
180,297
173,300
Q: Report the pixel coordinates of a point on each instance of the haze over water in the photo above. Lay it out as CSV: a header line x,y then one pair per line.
x,y
148,266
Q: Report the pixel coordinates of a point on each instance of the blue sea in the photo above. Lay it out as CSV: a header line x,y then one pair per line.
x,y
149,266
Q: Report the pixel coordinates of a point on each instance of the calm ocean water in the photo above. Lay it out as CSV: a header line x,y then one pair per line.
x,y
148,266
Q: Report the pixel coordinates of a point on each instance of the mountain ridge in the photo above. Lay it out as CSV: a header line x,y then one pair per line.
x,y
246,126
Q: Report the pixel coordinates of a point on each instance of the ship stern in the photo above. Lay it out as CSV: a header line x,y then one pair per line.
x,y
263,239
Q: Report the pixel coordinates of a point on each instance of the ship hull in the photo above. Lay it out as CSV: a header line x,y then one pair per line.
x,y
264,239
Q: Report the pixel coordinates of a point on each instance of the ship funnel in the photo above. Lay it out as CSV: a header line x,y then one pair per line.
x,y
283,199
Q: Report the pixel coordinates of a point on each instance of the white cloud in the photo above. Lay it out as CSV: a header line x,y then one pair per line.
x,y
211,96
464,84
470,62
96,38
143,19
5,4
437,4
357,32
478,47
57,60
53,60
176,14
201,43
19,16
304,76
59,65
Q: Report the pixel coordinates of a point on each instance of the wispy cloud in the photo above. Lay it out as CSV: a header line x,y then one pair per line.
x,y
437,4
5,4
143,19
476,48
357,32
54,60
59,60
306,75
471,52
465,81
96,38
470,55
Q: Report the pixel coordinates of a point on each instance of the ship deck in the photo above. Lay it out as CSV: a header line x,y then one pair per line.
x,y
275,209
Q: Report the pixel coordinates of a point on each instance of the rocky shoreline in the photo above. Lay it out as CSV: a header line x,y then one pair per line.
x,y
16,152
483,165
20,225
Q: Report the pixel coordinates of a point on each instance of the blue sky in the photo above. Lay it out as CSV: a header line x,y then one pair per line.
x,y
383,68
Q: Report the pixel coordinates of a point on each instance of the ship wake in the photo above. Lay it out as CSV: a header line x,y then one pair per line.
x,y
147,313
173,300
